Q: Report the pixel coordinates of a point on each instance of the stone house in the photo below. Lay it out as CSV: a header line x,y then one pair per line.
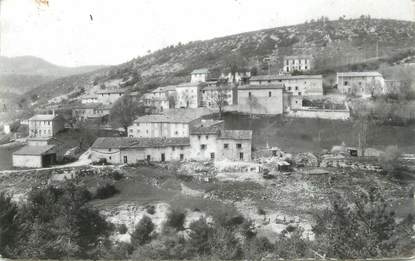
x,y
124,150
210,141
189,95
199,75
261,99
45,125
212,95
38,153
172,124
301,63
90,112
109,96
363,84
299,85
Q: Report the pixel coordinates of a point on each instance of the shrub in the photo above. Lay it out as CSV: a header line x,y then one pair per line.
x,y
116,175
122,229
142,232
175,219
106,191
151,209
261,211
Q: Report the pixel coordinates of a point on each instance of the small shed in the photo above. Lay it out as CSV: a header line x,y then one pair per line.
x,y
35,156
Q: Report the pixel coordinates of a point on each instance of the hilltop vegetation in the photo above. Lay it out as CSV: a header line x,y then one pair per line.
x,y
333,43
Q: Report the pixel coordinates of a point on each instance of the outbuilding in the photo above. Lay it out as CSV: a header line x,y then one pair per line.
x,y
35,156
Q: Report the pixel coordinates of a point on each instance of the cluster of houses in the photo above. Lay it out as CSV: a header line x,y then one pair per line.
x,y
177,130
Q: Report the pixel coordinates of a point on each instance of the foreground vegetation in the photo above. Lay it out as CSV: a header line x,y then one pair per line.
x,y
62,222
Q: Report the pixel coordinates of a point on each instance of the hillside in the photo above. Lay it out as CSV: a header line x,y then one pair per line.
x,y
333,43
23,73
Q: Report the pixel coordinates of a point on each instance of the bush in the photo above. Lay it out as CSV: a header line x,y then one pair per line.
x,y
261,211
106,191
142,232
122,229
175,219
116,175
151,209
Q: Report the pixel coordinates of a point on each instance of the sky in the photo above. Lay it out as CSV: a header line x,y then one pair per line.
x,y
104,32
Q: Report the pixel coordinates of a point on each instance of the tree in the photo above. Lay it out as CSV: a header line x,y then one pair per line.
x,y
200,232
360,226
142,232
220,98
125,111
8,225
175,219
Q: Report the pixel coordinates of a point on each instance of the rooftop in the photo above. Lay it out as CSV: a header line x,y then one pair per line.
x,y
300,56
359,74
34,150
214,88
284,77
168,88
201,71
128,142
191,84
176,116
236,134
89,96
43,117
261,87
206,127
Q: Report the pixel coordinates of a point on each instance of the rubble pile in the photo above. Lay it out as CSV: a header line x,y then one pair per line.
x,y
306,159
329,161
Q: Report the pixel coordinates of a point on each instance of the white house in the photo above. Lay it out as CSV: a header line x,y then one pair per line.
x,y
45,125
199,75
261,99
212,95
88,99
299,85
362,84
301,63
189,95
172,124
109,96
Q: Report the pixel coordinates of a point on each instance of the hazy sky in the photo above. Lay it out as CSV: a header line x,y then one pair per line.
x,y
63,32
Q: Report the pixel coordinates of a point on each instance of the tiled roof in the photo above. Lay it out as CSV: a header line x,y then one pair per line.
x,y
43,117
167,88
128,142
176,116
284,77
34,150
206,127
236,134
214,88
301,56
261,87
204,70
191,84
359,74
92,106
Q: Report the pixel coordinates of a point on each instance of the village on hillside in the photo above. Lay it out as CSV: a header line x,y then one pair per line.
x,y
296,156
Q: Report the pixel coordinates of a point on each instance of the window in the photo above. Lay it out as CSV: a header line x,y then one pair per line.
x,y
203,146
299,93
131,130
226,146
212,155
241,156
125,159
269,94
260,82
296,88
249,94
176,133
109,149
346,83
148,157
163,157
181,157
207,137
289,88
269,81
238,146
199,137
110,157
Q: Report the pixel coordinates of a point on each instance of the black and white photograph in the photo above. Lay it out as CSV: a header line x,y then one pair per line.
x,y
207,130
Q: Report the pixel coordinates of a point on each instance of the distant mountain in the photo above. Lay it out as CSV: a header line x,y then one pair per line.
x,y
23,73
333,44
